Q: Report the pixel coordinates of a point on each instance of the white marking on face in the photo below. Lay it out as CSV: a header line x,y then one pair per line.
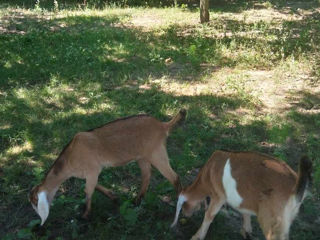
x,y
180,202
43,206
230,187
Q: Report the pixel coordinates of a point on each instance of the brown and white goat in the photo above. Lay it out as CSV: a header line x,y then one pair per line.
x,y
141,138
253,184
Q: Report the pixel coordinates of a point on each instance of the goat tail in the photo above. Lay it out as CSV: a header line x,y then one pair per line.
x,y
178,119
304,177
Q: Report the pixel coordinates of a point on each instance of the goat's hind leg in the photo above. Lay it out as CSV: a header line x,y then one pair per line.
x,y
160,161
273,225
145,178
106,192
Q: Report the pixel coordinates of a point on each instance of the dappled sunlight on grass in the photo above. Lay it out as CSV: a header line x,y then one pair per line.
x,y
27,146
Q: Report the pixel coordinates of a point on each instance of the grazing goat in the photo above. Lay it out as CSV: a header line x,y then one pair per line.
x,y
253,184
141,138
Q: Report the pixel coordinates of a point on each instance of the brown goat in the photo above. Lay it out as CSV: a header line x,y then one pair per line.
x,y
253,184
141,138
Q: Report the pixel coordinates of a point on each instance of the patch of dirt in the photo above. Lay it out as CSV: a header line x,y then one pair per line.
x,y
19,21
149,21
274,93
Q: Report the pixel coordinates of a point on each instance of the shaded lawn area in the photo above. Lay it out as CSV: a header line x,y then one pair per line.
x,y
249,83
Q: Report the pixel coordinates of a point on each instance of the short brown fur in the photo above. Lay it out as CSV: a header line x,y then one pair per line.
x,y
141,138
266,185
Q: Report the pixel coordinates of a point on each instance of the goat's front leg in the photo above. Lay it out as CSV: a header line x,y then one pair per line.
x,y
246,226
91,182
214,207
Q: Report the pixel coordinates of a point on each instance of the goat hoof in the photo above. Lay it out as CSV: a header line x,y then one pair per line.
x,y
85,216
195,238
114,197
246,235
116,200
137,201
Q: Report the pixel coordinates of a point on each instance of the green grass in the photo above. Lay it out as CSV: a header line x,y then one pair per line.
x,y
249,79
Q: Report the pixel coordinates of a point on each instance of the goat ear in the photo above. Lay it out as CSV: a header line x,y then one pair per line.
x,y
43,206
180,202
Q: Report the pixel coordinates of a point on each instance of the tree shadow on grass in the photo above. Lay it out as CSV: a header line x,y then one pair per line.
x,y
238,6
47,5
305,115
234,6
196,139
47,134
189,146
82,49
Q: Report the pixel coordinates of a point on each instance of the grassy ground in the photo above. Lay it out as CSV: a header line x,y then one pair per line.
x,y
249,79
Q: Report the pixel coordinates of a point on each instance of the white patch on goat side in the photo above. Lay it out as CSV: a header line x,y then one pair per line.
x,y
43,206
230,187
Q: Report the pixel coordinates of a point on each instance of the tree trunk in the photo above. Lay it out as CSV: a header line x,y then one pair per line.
x,y
204,11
